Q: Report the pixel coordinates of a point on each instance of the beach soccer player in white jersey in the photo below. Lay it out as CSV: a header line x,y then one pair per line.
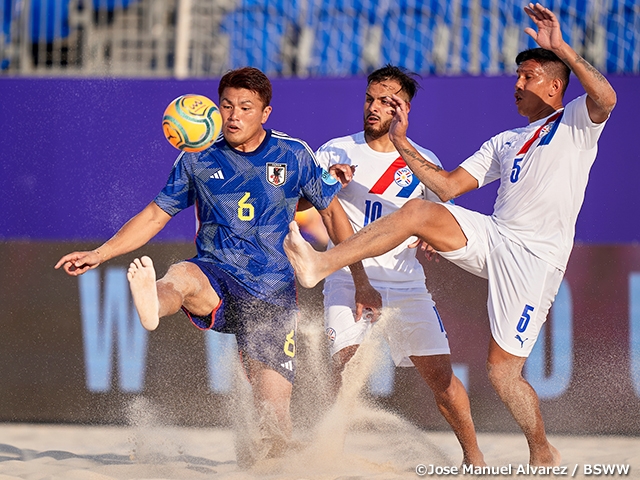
x,y
245,189
523,248
381,184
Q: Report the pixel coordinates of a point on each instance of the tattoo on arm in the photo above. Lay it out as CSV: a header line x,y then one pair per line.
x,y
419,158
593,70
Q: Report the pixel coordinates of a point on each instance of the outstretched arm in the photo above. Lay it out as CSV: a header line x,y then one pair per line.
x,y
133,234
446,185
339,229
341,172
601,97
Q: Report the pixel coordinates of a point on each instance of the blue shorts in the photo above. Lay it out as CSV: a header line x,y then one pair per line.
x,y
264,331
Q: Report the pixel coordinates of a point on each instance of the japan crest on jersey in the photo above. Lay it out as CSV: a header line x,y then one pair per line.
x,y
276,173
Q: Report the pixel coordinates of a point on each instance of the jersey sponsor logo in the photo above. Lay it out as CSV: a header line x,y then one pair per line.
x,y
276,173
521,340
328,178
331,334
397,172
217,174
288,365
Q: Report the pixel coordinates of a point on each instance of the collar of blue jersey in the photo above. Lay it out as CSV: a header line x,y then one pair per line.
x,y
258,150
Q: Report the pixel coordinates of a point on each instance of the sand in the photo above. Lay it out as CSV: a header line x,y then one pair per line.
x,y
392,451
350,439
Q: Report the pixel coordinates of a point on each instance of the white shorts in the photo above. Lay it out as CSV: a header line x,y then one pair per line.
x,y
412,323
522,287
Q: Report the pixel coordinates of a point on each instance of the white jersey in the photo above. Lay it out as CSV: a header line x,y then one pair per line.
x,y
543,170
382,183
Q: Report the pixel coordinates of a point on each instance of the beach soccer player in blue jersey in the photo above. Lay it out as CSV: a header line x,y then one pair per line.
x,y
245,189
522,249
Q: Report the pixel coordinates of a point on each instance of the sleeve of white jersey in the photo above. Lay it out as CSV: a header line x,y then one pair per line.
x,y
322,156
484,165
328,154
584,131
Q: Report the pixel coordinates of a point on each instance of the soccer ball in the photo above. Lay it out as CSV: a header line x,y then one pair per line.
x,y
191,123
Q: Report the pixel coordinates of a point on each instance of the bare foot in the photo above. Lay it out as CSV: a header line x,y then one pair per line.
x,y
142,282
476,460
551,460
303,257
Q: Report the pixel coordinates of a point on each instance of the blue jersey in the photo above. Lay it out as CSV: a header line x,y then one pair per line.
x,y
245,202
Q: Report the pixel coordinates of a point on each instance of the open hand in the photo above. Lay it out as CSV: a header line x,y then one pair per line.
x,y
549,35
400,121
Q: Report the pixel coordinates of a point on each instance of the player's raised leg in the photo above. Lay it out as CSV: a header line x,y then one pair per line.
x,y
142,282
427,220
375,239
183,285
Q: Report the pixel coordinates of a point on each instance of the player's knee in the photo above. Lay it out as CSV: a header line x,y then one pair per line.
x,y
436,372
419,211
500,373
415,207
181,269
494,371
445,391
175,277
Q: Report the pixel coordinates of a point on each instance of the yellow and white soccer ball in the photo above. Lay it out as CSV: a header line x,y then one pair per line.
x,y
192,123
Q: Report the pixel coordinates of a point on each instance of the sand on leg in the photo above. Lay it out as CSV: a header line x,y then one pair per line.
x,y
452,401
142,281
505,374
271,400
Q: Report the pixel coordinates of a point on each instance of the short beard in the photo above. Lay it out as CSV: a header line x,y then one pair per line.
x,y
375,133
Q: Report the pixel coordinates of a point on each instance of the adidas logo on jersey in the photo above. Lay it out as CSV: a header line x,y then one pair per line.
x,y
217,174
288,365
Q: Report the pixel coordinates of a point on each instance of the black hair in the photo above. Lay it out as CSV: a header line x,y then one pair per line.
x,y
249,78
405,78
551,63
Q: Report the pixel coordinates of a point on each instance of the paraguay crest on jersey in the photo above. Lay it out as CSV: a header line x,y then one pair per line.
x,y
403,177
276,173
397,174
331,334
